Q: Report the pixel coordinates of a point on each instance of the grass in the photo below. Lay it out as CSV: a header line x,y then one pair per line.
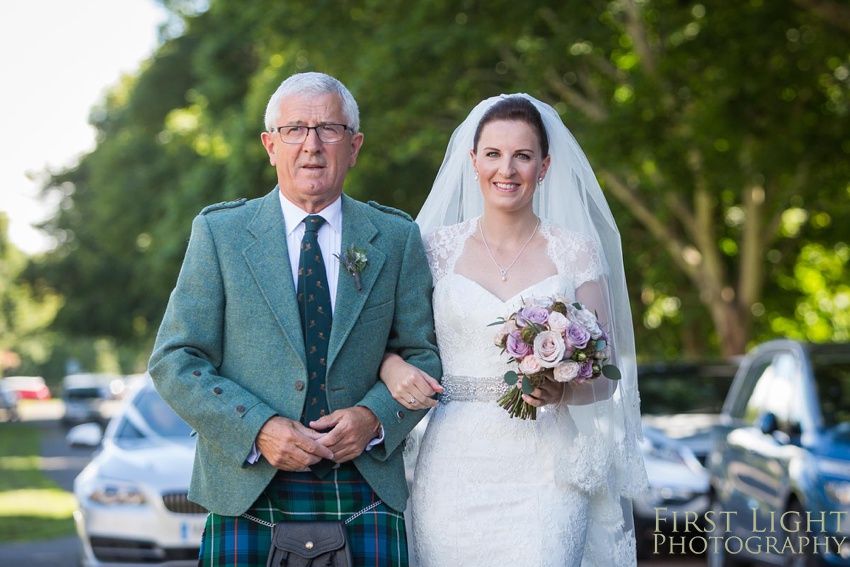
x,y
32,506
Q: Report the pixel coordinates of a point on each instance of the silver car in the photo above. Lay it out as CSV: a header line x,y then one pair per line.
x,y
133,508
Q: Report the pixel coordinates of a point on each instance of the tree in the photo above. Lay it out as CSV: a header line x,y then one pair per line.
x,y
718,132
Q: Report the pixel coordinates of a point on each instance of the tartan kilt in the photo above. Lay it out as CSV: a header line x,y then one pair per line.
x,y
377,538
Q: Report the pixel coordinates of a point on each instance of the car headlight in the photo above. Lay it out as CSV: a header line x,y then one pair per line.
x,y
838,491
109,493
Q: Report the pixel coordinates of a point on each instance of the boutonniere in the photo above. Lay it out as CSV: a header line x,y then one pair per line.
x,y
354,261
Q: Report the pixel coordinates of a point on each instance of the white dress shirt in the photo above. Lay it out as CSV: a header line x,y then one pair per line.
x,y
330,239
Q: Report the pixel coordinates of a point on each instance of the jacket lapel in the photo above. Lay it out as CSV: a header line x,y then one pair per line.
x,y
268,260
357,231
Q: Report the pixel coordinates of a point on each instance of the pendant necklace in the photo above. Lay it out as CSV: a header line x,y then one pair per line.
x,y
504,271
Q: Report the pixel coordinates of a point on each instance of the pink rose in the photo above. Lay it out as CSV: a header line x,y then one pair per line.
x,y
577,336
529,365
567,371
549,348
503,332
515,346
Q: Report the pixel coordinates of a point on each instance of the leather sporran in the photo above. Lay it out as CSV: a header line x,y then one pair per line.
x,y
309,544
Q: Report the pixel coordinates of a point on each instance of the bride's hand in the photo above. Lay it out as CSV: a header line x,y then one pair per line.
x,y
410,386
550,392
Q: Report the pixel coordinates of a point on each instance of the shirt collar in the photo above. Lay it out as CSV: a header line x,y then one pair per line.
x,y
293,214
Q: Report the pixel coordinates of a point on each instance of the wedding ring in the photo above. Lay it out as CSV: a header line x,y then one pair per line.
x,y
412,401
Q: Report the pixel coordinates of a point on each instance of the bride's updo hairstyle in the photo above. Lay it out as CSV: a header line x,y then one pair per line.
x,y
516,109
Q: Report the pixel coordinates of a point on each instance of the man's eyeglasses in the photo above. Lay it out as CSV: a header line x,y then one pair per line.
x,y
327,133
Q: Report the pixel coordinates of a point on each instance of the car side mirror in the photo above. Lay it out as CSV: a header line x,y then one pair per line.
x,y
86,435
767,423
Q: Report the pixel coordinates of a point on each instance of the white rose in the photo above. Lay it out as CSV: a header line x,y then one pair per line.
x,y
549,348
587,320
557,322
567,371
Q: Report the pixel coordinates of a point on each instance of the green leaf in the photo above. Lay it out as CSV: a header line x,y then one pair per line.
x,y
511,377
612,372
527,386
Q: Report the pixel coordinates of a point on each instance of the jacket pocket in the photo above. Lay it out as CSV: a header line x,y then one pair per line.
x,y
375,312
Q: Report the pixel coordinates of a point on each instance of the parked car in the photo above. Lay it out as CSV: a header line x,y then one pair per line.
x,y
678,486
683,400
8,403
780,469
90,397
133,506
680,406
28,387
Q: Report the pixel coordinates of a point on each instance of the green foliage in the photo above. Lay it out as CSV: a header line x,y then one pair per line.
x,y
31,505
718,132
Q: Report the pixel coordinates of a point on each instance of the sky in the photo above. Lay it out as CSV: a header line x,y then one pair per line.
x,y
57,59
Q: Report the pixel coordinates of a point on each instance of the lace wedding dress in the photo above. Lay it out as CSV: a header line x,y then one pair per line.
x,y
489,490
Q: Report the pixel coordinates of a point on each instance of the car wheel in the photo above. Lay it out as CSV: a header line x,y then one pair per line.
x,y
716,555
799,538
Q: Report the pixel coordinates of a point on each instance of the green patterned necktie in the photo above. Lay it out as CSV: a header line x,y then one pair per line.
x,y
314,304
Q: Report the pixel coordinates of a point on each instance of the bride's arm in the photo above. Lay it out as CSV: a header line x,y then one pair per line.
x,y
410,386
594,296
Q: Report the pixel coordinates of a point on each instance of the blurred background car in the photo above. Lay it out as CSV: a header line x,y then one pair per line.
x,y
90,397
8,403
133,505
783,455
678,487
28,387
680,406
683,400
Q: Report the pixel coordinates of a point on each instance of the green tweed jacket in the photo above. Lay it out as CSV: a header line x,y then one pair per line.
x,y
230,353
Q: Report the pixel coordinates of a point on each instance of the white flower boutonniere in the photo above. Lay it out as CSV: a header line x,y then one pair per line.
x,y
354,261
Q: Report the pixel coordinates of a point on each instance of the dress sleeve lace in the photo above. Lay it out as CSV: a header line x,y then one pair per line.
x,y
574,254
444,246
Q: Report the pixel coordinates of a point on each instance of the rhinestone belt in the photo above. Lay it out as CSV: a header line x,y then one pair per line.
x,y
472,388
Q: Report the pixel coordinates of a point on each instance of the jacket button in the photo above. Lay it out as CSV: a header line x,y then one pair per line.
x,y
196,373
299,385
400,414
216,390
240,409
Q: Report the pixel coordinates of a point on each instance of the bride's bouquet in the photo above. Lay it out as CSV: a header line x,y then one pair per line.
x,y
559,341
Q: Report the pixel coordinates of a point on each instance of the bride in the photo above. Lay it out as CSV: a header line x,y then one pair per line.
x,y
516,214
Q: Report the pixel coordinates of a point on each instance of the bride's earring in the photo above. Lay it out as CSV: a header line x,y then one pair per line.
x,y
539,181
475,175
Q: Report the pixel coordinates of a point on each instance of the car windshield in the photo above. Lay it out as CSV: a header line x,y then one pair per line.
x,y
83,393
832,377
159,416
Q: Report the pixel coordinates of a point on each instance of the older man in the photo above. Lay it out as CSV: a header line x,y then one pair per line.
x,y
272,339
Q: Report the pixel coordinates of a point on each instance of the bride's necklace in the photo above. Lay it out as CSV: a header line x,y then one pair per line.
x,y
504,271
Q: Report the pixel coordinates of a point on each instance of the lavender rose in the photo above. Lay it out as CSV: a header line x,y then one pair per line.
x,y
515,347
532,314
577,336
549,348
567,372
585,372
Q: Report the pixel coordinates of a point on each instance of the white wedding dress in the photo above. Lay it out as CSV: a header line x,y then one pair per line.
x,y
489,490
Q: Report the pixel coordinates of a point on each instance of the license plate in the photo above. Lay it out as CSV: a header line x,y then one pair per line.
x,y
192,530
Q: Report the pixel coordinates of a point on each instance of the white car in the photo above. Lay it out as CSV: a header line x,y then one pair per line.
x,y
133,508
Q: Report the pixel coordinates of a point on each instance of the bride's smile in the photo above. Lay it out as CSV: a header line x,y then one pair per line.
x,y
509,164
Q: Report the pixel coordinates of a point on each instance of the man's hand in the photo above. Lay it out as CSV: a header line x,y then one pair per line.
x,y
289,446
351,429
